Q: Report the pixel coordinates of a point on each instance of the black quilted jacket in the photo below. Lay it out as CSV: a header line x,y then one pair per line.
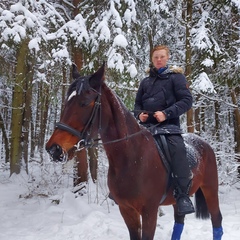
x,y
167,92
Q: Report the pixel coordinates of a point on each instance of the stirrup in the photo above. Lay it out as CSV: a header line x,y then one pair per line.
x,y
184,205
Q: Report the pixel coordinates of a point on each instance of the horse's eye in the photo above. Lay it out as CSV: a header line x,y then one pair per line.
x,y
85,103
87,99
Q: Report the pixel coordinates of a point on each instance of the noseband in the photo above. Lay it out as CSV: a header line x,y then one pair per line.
x,y
84,135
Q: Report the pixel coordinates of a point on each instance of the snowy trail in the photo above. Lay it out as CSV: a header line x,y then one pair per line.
x,y
38,218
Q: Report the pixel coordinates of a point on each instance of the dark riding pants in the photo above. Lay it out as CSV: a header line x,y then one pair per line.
x,y
179,163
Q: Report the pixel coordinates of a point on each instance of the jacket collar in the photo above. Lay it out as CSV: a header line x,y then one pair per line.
x,y
154,72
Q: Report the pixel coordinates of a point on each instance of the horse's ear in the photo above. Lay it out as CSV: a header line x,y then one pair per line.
x,y
97,78
75,73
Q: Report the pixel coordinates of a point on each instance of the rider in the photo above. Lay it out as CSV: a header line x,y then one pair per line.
x,y
165,93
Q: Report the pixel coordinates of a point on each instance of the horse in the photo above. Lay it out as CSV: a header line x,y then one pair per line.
x,y
137,178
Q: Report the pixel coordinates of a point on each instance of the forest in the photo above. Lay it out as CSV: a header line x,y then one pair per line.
x,y
40,39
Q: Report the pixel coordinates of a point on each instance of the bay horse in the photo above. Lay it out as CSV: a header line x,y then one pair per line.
x,y
137,178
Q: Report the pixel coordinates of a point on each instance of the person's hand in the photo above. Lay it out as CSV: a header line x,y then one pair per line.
x,y
143,117
160,116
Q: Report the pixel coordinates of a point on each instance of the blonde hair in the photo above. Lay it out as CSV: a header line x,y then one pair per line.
x,y
160,47
174,69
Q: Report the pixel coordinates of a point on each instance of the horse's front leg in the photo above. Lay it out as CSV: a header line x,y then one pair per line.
x,y
132,219
149,222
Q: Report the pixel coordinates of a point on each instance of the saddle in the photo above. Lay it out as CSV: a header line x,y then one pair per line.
x,y
163,151
162,146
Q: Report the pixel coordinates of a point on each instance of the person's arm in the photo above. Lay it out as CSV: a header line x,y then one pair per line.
x,y
183,97
138,108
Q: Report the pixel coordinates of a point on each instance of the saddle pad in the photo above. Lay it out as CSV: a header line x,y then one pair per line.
x,y
192,155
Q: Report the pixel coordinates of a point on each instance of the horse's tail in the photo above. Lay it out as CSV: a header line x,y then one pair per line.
x,y
201,205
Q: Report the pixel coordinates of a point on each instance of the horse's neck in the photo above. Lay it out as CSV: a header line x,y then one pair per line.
x,y
118,121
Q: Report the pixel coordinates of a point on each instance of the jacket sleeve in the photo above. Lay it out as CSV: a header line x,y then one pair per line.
x,y
183,97
138,101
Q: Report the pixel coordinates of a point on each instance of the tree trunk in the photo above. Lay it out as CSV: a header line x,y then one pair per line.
x,y
80,156
197,120
188,71
5,138
77,52
27,116
64,85
33,137
202,119
93,162
82,167
236,113
18,105
45,101
217,121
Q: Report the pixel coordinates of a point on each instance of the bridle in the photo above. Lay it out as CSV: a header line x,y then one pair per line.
x,y
84,135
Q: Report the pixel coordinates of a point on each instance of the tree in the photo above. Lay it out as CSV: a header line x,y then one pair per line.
x,y
203,38
188,70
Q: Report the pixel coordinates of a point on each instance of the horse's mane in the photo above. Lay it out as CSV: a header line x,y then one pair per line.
x,y
81,84
119,105
111,92
123,106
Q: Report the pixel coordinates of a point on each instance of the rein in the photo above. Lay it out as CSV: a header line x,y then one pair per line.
x,y
85,141
95,142
128,136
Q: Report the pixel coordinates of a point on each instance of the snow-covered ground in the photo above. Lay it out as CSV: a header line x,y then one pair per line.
x,y
42,206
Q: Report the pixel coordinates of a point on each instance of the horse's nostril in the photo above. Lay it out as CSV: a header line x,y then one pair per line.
x,y
58,149
56,152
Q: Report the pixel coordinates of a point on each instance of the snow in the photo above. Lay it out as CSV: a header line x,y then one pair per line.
x,y
208,62
115,15
236,3
33,44
128,16
115,60
120,40
42,206
7,15
202,38
103,30
59,54
133,71
29,203
77,29
203,83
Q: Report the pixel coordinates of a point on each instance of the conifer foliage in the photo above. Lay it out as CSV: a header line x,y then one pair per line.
x,y
40,39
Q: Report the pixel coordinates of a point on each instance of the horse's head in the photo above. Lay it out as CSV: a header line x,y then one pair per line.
x,y
80,116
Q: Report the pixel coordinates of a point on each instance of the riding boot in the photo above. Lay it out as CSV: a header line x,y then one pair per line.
x,y
181,173
184,204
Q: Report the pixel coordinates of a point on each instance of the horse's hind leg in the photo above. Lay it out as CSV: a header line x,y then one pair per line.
x,y
212,201
209,189
178,225
132,220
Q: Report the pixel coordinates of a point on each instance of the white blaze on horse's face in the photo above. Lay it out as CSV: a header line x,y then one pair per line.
x,y
74,93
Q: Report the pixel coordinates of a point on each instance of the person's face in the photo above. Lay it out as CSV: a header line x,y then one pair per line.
x,y
160,58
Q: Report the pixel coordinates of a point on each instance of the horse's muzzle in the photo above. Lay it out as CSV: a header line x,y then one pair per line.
x,y
57,154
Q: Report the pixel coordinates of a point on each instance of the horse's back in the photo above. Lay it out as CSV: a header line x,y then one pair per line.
x,y
198,148
205,170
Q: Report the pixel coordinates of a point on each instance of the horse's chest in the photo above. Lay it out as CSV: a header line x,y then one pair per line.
x,y
123,184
